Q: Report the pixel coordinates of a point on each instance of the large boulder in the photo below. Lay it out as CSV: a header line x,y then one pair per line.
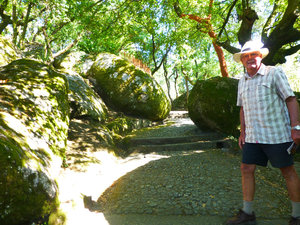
x,y
74,62
180,103
8,52
127,89
34,51
84,101
212,105
34,118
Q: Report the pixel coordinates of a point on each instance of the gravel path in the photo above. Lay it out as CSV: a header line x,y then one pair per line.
x,y
176,188
193,183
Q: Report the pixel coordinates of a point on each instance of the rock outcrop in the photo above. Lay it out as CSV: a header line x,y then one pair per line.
x,y
129,90
84,101
180,103
8,52
34,119
212,105
74,62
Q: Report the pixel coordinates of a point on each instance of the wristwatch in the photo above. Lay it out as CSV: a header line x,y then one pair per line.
x,y
296,127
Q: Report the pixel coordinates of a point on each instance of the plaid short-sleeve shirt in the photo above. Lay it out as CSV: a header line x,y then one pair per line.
x,y
263,99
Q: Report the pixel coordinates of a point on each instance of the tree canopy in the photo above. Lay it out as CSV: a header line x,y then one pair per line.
x,y
185,37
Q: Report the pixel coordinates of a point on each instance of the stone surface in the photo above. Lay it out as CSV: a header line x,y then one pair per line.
x,y
180,103
212,105
34,118
127,89
8,52
84,101
74,62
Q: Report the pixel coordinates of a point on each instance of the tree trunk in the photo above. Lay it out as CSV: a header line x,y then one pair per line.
x,y
209,29
221,57
167,81
14,23
248,17
26,21
5,19
186,79
156,67
175,82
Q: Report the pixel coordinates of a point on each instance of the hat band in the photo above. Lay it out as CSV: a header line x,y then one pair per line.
x,y
246,49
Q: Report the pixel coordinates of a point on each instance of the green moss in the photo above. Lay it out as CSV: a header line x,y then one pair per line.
x,y
8,52
180,103
33,126
129,90
84,101
36,82
22,197
212,105
57,218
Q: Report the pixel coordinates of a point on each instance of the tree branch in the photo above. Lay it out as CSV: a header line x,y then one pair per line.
x,y
162,60
284,33
153,51
5,18
71,45
210,31
227,17
226,45
26,21
268,22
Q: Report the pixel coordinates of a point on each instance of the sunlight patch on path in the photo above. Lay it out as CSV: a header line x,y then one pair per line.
x,y
96,178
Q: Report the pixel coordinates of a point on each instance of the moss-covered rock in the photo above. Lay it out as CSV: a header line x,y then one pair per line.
x,y
8,52
180,103
34,118
127,89
35,51
84,101
212,105
76,61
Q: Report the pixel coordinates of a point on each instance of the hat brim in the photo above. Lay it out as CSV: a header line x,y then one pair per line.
x,y
237,56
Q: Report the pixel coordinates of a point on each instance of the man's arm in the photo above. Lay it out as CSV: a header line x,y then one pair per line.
x,y
243,128
293,108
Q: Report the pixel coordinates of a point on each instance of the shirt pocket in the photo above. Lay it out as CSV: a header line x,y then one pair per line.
x,y
263,92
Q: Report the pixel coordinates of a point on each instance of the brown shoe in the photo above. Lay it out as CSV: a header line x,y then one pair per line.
x,y
242,218
294,221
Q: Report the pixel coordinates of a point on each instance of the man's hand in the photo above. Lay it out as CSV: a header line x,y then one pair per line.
x,y
242,140
296,136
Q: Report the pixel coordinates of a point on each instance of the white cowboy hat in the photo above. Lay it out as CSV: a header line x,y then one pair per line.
x,y
251,46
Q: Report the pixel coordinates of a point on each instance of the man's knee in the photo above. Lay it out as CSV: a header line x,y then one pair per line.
x,y
288,172
247,168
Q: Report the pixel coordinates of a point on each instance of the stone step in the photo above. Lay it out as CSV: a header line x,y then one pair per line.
x,y
174,140
178,114
198,145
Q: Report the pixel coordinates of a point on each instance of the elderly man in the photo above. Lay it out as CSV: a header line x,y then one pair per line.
x,y
270,125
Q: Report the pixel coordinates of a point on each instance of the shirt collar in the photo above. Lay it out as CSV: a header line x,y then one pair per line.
x,y
261,71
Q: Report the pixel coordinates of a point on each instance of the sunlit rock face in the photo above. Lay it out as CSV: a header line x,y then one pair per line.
x,y
34,118
127,89
212,105
8,52
74,62
84,101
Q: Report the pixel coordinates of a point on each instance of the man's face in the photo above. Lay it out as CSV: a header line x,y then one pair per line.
x,y
251,60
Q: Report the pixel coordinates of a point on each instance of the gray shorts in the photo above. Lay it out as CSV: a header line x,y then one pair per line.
x,y
260,154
